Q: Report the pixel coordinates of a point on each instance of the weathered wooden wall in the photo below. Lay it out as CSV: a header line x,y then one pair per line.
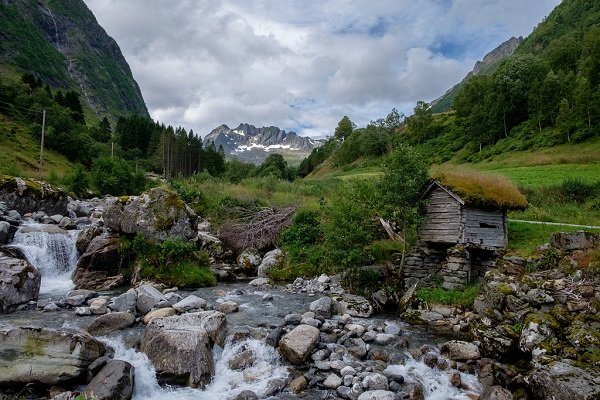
x,y
443,218
485,228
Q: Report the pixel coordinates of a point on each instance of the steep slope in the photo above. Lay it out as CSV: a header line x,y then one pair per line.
x,y
486,66
61,42
251,144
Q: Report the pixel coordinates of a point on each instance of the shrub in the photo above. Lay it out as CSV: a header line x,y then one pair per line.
x,y
579,189
78,181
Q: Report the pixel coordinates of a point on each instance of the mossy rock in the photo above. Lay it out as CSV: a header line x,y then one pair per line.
x,y
542,319
582,336
561,314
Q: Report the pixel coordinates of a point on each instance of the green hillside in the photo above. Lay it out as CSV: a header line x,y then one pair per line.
x,y
61,43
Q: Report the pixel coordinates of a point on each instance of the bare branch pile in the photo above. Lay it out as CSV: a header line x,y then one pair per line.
x,y
258,230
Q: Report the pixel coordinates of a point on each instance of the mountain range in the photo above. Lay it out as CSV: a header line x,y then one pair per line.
x,y
251,144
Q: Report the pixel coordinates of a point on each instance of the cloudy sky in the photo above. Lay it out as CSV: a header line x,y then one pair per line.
x,y
303,64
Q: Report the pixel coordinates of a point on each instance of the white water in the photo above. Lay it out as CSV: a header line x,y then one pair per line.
x,y
227,383
436,382
52,251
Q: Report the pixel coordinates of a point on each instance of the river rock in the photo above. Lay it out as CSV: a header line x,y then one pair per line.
x,y
259,282
561,380
211,245
148,297
180,347
355,306
43,355
356,346
377,395
190,303
496,393
98,267
124,302
228,307
98,306
107,323
298,384
160,313
157,214
249,260
86,236
458,350
4,230
332,381
297,344
113,382
29,195
375,382
19,282
242,360
322,307
270,260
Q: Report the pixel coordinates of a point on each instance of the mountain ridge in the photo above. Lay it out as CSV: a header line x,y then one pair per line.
x,y
251,144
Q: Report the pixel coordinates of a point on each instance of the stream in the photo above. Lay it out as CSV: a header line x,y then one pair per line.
x,y
53,252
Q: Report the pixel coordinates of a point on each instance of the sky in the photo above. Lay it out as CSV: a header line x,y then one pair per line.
x,y
302,65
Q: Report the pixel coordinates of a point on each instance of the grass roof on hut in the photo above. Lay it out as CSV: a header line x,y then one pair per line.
x,y
482,189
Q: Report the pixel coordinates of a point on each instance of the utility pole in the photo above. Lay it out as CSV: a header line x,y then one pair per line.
x,y
41,167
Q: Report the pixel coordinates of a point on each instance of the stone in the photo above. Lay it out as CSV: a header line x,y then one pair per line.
x,y
98,306
107,323
347,370
377,395
159,313
19,282
270,260
332,381
30,195
99,267
246,395
180,346
496,393
323,279
297,344
459,350
356,346
532,334
375,382
249,260
173,298
81,311
539,296
242,360
571,241
190,303
355,329
86,236
228,307
124,302
322,307
4,232
298,384
95,367
392,329
561,380
259,282
67,223
385,339
44,355
157,214
147,298
355,306
113,382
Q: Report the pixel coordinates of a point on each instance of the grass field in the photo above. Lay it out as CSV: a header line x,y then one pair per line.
x,y
523,238
547,175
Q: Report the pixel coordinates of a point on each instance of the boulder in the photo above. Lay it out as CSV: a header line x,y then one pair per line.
x,y
561,380
86,236
270,260
249,261
377,395
180,347
43,355
4,232
242,360
99,267
534,333
29,195
322,307
496,393
211,245
355,306
160,313
113,382
19,282
458,350
297,344
579,240
98,306
124,302
148,297
157,214
259,282
189,303
108,323
228,307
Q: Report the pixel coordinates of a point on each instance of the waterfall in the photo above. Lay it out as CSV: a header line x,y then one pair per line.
x,y
52,251
55,30
226,384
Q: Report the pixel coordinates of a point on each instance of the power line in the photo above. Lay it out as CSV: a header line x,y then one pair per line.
x,y
21,111
22,108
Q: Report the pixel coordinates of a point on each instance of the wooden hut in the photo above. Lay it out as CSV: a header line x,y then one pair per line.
x,y
449,219
464,225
